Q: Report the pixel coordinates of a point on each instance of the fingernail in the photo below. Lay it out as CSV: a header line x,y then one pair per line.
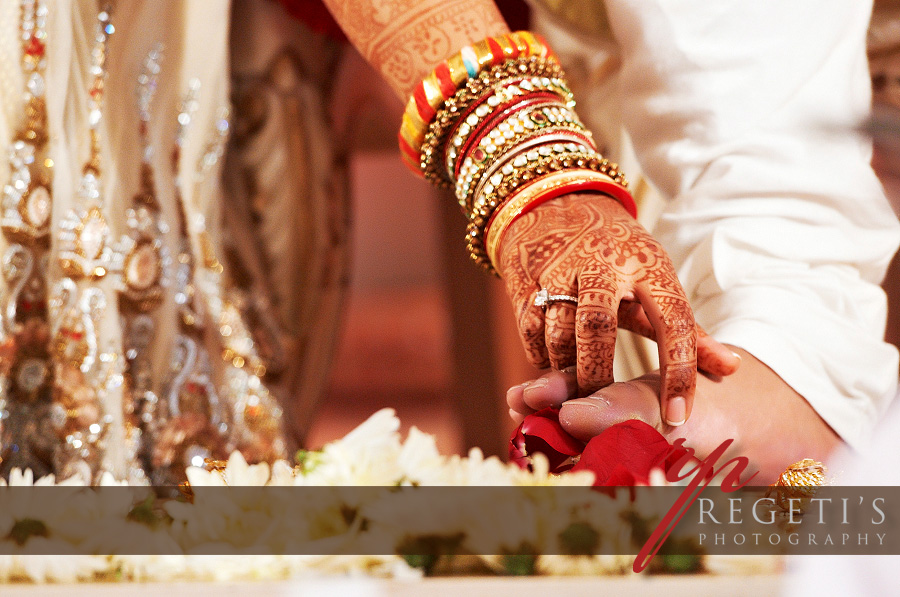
x,y
570,370
538,383
676,411
736,355
521,386
598,398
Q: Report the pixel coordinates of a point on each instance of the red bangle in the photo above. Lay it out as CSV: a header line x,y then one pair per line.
x,y
532,195
615,191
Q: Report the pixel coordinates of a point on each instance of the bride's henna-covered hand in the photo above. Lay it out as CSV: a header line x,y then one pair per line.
x,y
405,40
712,357
586,245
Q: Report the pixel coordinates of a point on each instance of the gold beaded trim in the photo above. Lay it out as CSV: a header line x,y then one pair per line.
x,y
486,110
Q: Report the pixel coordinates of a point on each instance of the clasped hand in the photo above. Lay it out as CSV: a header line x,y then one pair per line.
x,y
587,246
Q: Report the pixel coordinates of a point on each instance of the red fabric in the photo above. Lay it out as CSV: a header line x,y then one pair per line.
x,y
314,14
426,112
443,76
317,17
496,52
411,153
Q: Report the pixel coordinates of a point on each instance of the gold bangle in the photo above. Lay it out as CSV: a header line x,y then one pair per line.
x,y
485,55
431,149
524,199
410,127
480,219
555,140
432,92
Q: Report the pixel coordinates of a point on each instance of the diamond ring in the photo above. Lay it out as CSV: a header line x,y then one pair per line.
x,y
543,298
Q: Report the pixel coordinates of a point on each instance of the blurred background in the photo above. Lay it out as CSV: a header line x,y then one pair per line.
x,y
425,331
377,305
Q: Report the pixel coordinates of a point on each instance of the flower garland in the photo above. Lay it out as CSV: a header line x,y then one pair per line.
x,y
373,454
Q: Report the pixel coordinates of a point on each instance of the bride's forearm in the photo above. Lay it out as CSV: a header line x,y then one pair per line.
x,y
405,39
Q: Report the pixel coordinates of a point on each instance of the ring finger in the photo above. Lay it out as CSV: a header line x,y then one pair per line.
x,y
559,323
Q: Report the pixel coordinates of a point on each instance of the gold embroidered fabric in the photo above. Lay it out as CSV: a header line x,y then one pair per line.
x,y
123,348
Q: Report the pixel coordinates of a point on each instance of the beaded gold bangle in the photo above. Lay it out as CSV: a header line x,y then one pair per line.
x,y
479,129
527,116
542,165
430,160
517,153
544,189
480,216
430,94
470,124
482,118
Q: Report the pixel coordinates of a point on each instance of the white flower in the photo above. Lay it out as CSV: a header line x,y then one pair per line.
x,y
735,565
386,566
37,517
282,474
596,565
506,523
540,475
233,510
64,565
420,461
478,470
20,478
237,473
368,455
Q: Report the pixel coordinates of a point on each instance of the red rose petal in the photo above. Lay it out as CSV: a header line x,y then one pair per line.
x,y
545,424
517,453
622,456
628,449
542,432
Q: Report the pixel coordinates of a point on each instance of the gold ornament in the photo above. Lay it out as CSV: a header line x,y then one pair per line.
x,y
800,481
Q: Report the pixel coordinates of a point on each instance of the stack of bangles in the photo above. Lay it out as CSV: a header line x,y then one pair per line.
x,y
496,123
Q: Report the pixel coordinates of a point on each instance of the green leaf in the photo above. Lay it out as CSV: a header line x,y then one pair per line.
x,y
147,514
307,460
424,562
579,538
425,551
681,564
519,564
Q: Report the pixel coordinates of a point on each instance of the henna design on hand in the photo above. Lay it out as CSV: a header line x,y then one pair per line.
x,y
586,244
560,335
596,326
405,39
